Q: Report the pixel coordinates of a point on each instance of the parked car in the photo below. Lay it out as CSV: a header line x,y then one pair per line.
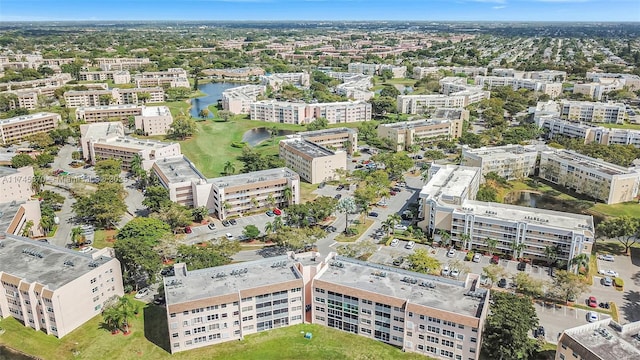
x,y
398,261
141,293
477,257
373,214
393,193
331,229
226,223
340,187
86,249
338,196
592,316
270,213
606,257
188,230
277,211
607,281
454,273
502,283
451,252
495,259
410,245
399,227
539,332
608,273
159,301
522,266
394,242
592,302
234,222
380,203
445,270
211,226
229,236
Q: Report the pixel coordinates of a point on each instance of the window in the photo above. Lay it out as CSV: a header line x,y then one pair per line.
x,y
174,335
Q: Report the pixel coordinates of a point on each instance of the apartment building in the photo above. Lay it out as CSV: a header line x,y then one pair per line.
x,y
174,77
598,90
447,204
93,114
56,80
15,215
118,77
398,72
25,99
107,64
419,313
186,185
511,162
53,289
280,112
314,163
18,128
276,81
420,72
446,124
112,97
596,178
107,141
238,99
335,138
341,112
154,120
239,74
420,104
631,81
600,340
469,71
377,69
450,85
16,184
593,111
553,89
354,86
543,75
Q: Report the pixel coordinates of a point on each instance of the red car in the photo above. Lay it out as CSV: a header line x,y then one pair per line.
x,y
592,302
277,211
495,259
187,230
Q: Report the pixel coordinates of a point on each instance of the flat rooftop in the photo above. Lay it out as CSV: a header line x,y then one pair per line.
x,y
102,129
308,148
229,279
252,177
133,143
604,340
445,294
513,213
449,181
109,107
505,151
448,113
589,162
405,125
47,264
155,111
333,131
7,213
26,118
179,169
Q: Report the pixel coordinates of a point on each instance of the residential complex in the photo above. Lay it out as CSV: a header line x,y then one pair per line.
x,y
18,128
56,80
553,89
377,69
280,112
631,81
447,204
588,133
117,76
334,138
175,77
314,163
354,86
154,120
107,64
445,124
53,289
603,83
107,141
582,111
601,180
238,99
15,215
342,112
114,96
600,340
544,75
511,162
148,120
420,104
418,313
239,74
276,81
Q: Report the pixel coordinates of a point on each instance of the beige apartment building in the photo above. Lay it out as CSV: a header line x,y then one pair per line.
x,y
94,114
511,162
279,111
118,77
238,100
314,163
276,81
18,128
588,133
26,99
154,120
53,289
446,124
174,77
553,89
447,204
579,111
15,215
600,340
543,75
631,81
596,178
56,81
107,64
186,185
342,112
419,313
117,97
335,138
107,141
239,74
420,104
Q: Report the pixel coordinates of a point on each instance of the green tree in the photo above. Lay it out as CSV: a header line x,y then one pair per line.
x,y
182,127
156,197
551,253
527,285
109,168
144,97
567,285
200,257
625,229
492,245
175,215
229,168
104,207
318,124
21,160
44,159
389,91
420,261
506,331
144,229
225,115
203,114
112,318
359,250
251,231
487,193
26,229
580,262
346,205
494,272
40,140
139,260
199,213
38,181
76,235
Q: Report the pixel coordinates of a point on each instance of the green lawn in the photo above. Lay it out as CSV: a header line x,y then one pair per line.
x,y
621,126
629,209
100,238
149,339
362,227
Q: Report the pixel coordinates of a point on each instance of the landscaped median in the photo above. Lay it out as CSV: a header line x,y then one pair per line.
x,y
360,228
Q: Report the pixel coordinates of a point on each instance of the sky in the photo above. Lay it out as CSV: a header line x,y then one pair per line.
x,y
436,10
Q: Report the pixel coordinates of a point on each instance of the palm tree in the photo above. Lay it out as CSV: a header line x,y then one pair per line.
x,y
26,230
346,206
226,206
38,181
112,318
551,253
445,237
269,227
517,249
277,223
254,202
394,219
492,245
271,200
580,261
464,239
229,168
76,233
288,194
127,310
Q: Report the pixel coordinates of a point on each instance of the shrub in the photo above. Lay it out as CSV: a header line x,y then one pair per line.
x,y
239,144
469,256
352,231
619,282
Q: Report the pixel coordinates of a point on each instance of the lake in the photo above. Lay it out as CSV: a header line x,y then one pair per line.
x,y
214,93
8,354
255,136
542,201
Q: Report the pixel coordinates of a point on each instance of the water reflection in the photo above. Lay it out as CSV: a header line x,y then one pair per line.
x,y
214,93
255,136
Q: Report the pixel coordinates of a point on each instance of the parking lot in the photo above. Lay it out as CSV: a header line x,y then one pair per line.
x,y
557,318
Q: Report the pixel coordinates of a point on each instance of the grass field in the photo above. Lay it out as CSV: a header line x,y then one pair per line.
x,y
149,339
621,126
361,228
629,209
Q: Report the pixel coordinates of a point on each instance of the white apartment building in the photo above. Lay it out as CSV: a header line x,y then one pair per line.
x,y
553,89
238,74
280,112
601,339
450,85
174,77
355,86
93,114
593,111
56,80
420,104
107,64
276,81
543,75
16,184
447,205
398,72
422,72
314,163
154,120
53,289
511,162
377,69
601,180
15,214
18,128
469,71
111,97
341,112
26,99
118,77
238,99
446,124
335,138
599,89
631,81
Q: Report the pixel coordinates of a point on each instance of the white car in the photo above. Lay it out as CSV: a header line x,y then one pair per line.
x,y
608,273
400,227
229,236
86,249
141,293
592,316
454,273
451,253
445,270
477,257
606,257
410,245
394,242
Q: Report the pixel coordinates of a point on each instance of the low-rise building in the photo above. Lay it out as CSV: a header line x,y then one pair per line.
x,y
445,124
93,114
596,178
632,81
421,104
592,111
114,96
15,216
107,64
238,74
16,184
447,204
280,112
342,112
56,80
238,100
18,128
509,161
600,340
335,138
314,163
276,81
53,289
553,89
118,77
174,77
154,120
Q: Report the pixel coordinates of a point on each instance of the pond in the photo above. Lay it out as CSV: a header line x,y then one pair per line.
x,y
8,354
542,201
255,136
214,93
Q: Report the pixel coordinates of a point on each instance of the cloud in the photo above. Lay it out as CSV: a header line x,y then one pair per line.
x,y
499,7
